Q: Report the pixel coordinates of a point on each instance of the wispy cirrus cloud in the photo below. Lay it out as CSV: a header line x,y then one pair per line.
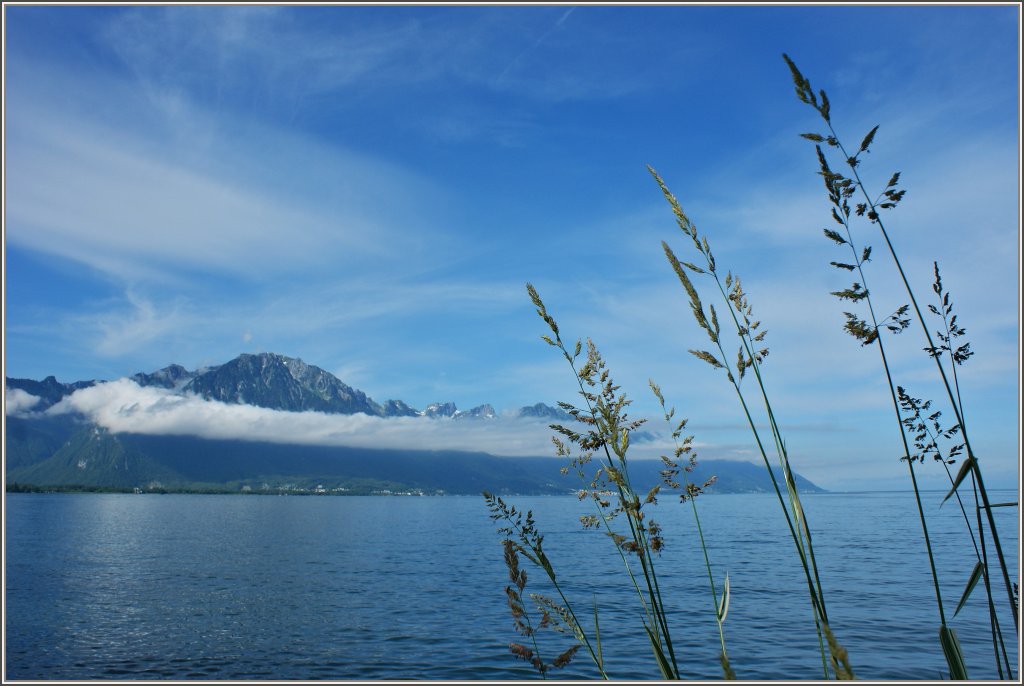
x,y
534,45
126,203
143,323
214,53
258,57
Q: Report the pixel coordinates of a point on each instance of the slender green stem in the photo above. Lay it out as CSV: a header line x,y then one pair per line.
x,y
803,547
819,612
780,447
533,638
659,625
997,634
982,555
700,533
707,565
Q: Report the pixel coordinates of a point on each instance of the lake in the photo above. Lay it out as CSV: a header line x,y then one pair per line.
x,y
285,587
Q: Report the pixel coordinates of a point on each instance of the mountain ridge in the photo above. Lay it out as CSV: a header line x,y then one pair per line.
x,y
276,382
67,450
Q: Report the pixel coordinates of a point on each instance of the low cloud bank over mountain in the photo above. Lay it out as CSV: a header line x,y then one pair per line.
x,y
123,406
20,402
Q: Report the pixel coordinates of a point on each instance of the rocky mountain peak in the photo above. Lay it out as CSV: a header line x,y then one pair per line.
x,y
281,383
440,410
172,376
542,411
485,411
397,408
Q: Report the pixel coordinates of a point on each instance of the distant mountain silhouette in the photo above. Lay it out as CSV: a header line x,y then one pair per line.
x,y
92,456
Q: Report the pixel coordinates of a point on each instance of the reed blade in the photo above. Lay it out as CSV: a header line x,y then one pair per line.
x,y
965,469
723,606
659,654
954,655
971,583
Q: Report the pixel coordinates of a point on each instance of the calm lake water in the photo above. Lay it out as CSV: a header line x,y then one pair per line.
x,y
265,587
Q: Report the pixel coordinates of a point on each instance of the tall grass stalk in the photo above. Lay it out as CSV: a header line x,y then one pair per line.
x,y
888,199
928,434
608,435
959,355
750,356
839,190
690,491
871,332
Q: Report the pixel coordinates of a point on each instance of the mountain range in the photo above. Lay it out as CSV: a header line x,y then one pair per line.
x,y
50,449
275,382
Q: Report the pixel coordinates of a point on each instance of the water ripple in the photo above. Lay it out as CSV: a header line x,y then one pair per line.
x,y
208,587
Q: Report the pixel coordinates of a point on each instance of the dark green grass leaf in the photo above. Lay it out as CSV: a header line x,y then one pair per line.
x,y
954,656
965,469
659,654
971,583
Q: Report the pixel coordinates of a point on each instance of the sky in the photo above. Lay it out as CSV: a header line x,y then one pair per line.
x,y
369,189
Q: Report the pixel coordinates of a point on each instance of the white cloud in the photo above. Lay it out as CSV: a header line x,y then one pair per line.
x,y
123,406
18,402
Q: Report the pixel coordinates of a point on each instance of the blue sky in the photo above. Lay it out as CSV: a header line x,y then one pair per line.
x,y
369,189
